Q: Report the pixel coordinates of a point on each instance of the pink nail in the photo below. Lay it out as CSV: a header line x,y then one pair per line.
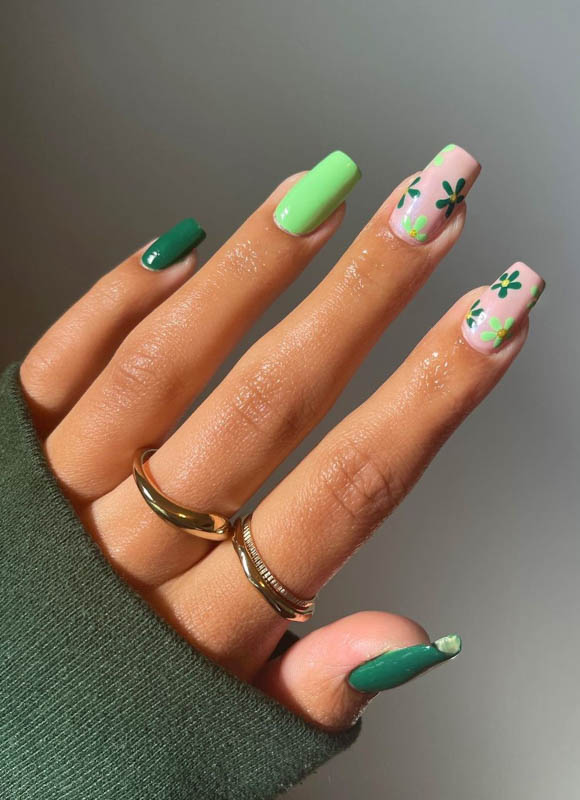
x,y
431,200
496,315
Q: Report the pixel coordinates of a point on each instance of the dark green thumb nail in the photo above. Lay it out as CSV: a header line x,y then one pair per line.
x,y
399,666
173,245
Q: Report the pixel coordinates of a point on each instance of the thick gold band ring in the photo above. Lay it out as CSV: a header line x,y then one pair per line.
x,y
197,523
282,600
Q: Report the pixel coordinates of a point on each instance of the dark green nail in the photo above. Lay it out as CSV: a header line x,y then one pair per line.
x,y
399,666
173,245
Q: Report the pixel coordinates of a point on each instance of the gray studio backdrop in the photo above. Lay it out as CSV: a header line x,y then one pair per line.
x,y
123,117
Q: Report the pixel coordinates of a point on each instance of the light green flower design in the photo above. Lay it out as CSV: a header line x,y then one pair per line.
x,y
536,294
440,157
413,228
499,331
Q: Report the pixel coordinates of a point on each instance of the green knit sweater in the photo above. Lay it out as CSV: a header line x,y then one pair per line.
x,y
100,697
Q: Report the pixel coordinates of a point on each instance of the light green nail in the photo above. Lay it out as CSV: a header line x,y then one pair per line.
x,y
313,199
399,666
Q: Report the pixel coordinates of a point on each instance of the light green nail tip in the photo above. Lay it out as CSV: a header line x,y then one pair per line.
x,y
313,199
399,666
450,645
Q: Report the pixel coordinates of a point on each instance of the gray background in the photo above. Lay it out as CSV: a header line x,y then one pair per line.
x,y
121,118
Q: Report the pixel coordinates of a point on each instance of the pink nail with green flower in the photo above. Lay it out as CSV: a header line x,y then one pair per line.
x,y
495,316
431,200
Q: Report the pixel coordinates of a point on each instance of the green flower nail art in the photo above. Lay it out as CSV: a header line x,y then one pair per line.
x,y
474,312
536,294
500,331
440,157
413,228
410,191
507,282
454,196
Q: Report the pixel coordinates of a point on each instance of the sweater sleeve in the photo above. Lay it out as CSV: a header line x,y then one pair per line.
x,y
101,698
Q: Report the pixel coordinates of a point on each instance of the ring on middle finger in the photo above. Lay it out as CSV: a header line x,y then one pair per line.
x,y
203,524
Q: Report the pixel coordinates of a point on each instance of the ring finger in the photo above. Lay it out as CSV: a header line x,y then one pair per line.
x,y
322,511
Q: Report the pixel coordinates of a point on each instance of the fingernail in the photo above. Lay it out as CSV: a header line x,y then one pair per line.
x,y
313,199
495,316
431,200
399,666
173,245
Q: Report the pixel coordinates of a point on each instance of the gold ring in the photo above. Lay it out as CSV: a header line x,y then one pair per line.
x,y
282,600
197,523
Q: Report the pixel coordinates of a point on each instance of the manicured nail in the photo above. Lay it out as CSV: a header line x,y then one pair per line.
x,y
173,245
399,666
494,317
432,198
313,199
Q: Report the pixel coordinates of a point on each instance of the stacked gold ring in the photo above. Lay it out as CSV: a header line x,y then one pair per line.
x,y
282,600
216,527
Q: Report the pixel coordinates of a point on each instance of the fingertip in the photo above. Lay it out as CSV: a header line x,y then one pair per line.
x,y
311,678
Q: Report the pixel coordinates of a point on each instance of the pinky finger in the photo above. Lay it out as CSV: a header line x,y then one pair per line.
x,y
330,676
74,350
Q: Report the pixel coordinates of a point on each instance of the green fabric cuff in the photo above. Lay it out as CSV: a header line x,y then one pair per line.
x,y
101,698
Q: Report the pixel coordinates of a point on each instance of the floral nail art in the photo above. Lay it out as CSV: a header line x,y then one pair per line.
x,y
499,331
495,317
506,282
454,196
474,312
410,191
413,228
423,197
440,157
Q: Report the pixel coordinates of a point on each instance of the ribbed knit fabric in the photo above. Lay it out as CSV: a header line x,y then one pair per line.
x,y
100,697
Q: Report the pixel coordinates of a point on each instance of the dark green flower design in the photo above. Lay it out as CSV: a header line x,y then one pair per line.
x,y
506,282
454,196
473,313
410,191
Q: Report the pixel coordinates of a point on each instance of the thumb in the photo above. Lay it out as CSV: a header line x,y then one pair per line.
x,y
329,676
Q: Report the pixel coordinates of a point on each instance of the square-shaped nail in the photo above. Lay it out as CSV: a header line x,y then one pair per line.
x,y
495,316
313,199
173,245
431,199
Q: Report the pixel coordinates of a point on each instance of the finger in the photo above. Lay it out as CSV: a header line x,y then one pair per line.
x,y
167,360
69,356
275,395
330,675
330,503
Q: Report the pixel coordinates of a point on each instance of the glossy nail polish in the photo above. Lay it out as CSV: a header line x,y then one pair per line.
x,y
313,199
399,666
433,197
173,245
494,317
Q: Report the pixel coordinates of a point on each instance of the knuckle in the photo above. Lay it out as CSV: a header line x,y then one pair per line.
x,y
111,292
363,484
268,400
136,370
37,367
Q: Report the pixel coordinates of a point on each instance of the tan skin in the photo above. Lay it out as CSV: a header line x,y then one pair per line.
x,y
118,370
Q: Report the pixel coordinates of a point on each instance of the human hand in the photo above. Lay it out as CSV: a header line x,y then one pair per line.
x,y
120,368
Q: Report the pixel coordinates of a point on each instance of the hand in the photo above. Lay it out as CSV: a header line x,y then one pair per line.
x,y
120,368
